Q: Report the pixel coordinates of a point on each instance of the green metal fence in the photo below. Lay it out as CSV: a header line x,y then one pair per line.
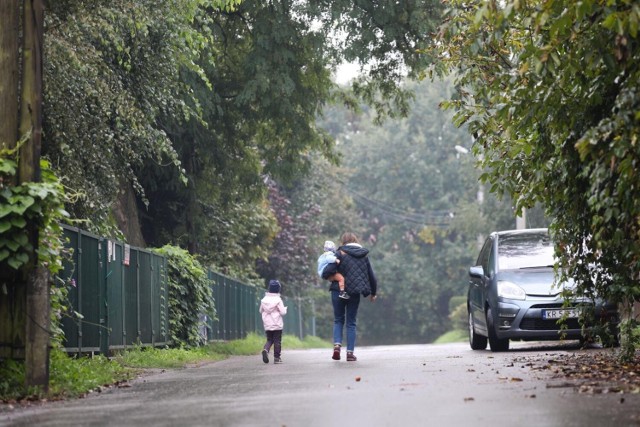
x,y
120,292
237,306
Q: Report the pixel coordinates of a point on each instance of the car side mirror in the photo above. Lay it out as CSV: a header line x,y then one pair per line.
x,y
476,271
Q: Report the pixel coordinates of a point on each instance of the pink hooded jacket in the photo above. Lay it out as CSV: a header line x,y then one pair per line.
x,y
272,309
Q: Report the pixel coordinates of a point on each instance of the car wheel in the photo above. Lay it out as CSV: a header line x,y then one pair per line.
x,y
477,342
495,343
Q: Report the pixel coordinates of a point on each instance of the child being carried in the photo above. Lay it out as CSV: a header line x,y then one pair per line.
x,y
328,267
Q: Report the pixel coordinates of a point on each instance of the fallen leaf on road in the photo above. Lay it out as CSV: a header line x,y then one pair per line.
x,y
594,372
468,399
516,379
358,379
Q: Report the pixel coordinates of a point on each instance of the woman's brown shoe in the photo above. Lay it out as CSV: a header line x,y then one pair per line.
x,y
351,357
336,352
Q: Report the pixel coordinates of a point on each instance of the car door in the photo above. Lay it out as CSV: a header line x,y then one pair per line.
x,y
477,287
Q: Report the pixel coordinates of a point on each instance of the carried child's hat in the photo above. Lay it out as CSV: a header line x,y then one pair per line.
x,y
329,246
274,286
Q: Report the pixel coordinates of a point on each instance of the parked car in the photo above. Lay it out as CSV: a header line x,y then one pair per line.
x,y
512,295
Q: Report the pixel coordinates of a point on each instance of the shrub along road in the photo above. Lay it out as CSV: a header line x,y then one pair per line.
x,y
418,385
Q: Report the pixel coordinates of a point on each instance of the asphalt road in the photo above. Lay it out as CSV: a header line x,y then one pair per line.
x,y
418,385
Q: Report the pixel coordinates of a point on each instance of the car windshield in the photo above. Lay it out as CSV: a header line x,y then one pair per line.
x,y
525,251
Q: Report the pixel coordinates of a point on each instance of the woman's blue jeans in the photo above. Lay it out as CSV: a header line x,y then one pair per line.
x,y
345,309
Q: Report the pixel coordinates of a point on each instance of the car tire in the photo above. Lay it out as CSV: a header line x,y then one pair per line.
x,y
477,342
495,343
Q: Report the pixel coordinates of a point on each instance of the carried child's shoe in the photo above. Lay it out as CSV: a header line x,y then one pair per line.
x,y
265,356
277,360
343,295
351,357
336,352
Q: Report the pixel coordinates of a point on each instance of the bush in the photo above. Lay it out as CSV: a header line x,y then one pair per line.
x,y
455,301
190,297
459,317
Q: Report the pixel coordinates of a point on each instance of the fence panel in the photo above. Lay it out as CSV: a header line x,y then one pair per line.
x,y
132,299
120,292
146,297
236,306
85,334
70,275
292,319
160,310
114,277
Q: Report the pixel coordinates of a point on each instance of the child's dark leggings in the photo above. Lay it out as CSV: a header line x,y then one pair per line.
x,y
275,338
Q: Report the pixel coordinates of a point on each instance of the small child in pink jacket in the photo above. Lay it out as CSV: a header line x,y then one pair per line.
x,y
272,309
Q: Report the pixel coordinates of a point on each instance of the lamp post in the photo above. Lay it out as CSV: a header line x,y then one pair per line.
x,y
521,220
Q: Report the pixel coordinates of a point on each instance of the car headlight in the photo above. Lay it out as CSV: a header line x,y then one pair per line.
x,y
510,290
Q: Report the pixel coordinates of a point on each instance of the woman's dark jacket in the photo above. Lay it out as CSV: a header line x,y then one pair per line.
x,y
359,277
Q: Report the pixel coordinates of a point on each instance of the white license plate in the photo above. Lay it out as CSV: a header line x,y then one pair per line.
x,y
557,314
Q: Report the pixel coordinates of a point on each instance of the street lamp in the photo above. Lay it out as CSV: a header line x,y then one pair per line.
x,y
521,221
461,150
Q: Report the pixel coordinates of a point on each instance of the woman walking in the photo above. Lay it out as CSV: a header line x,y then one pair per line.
x,y
359,280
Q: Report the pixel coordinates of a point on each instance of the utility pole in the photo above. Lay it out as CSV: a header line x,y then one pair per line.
x,y
25,307
521,221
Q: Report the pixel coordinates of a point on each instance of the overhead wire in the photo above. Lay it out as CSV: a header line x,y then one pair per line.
x,y
439,218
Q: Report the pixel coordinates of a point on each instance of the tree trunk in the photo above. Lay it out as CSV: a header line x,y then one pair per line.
x,y
37,280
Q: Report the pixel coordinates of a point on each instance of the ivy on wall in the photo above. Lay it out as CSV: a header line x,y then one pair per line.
x,y
40,204
190,296
36,203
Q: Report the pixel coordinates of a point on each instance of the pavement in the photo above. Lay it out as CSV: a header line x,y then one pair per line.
x,y
408,385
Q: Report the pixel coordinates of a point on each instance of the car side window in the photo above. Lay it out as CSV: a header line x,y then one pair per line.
x,y
484,258
490,268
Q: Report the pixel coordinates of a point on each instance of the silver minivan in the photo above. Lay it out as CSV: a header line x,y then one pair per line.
x,y
512,294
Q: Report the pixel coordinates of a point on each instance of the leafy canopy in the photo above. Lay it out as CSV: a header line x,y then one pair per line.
x,y
550,92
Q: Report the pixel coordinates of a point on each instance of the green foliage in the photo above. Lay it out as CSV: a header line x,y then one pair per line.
x,y
112,71
456,301
416,199
76,376
11,379
386,38
166,358
72,377
630,338
550,93
190,296
69,377
458,335
460,317
39,204
291,250
253,344
191,103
